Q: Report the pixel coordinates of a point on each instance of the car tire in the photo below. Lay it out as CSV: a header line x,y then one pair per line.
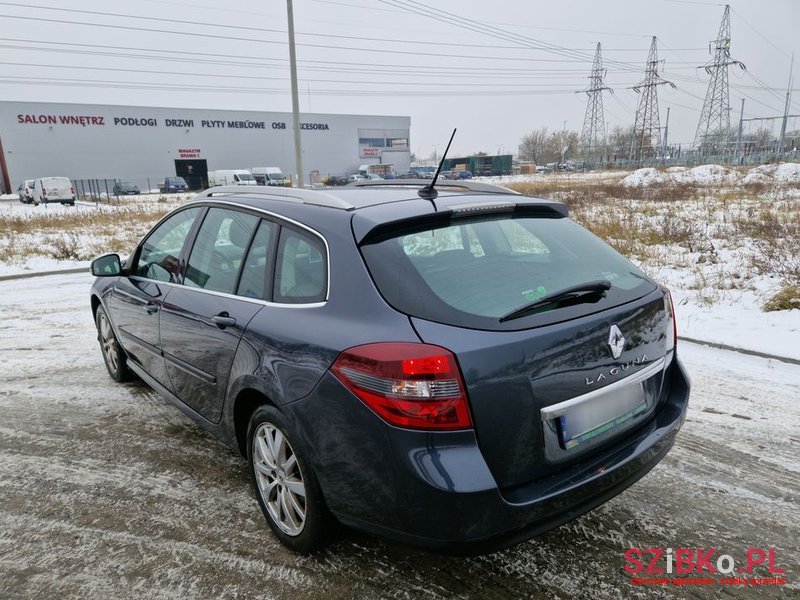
x,y
285,484
113,354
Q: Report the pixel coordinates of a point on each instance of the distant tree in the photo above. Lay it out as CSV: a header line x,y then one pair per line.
x,y
560,146
480,154
412,157
763,136
532,145
619,141
761,139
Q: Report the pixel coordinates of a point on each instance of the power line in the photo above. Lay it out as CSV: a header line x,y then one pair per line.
x,y
276,42
759,34
319,65
403,92
262,77
283,32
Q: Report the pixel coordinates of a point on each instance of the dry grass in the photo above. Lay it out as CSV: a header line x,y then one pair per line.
x,y
787,298
81,220
75,235
686,227
775,234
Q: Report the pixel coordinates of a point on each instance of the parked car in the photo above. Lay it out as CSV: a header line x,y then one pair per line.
x,y
334,180
269,176
230,177
455,174
25,191
544,169
124,188
461,374
173,184
53,189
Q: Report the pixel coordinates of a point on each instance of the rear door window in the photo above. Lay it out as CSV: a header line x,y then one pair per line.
x,y
472,272
256,271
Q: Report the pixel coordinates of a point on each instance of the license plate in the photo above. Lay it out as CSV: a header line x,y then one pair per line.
x,y
599,415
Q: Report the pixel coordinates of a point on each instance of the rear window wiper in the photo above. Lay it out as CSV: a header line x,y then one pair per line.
x,y
582,292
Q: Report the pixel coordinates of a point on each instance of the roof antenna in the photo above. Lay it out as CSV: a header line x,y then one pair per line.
x,y
428,192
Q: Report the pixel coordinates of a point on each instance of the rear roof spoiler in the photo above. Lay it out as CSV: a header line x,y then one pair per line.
x,y
367,227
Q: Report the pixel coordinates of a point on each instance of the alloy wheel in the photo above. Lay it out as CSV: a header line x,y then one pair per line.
x,y
279,479
108,343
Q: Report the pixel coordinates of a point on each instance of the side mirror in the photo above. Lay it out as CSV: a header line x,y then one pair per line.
x,y
108,265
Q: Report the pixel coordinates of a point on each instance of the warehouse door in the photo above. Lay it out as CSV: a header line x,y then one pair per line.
x,y
195,172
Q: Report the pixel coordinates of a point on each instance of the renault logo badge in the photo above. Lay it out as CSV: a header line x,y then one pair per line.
x,y
616,341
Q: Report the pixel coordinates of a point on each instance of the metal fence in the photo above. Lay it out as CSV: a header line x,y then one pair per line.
x,y
694,158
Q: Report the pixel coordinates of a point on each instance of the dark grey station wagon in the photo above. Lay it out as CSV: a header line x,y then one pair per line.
x,y
461,372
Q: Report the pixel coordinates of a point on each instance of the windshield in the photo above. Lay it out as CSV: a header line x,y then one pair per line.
x,y
473,272
245,177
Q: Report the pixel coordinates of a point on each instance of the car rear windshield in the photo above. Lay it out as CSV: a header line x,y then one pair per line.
x,y
473,272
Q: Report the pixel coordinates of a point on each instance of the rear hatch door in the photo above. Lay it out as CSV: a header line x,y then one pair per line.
x,y
58,188
536,363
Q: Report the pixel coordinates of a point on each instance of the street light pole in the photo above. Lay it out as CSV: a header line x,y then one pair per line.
x,y
298,149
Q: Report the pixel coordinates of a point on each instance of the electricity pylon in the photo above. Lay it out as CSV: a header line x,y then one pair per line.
x,y
646,142
593,135
714,128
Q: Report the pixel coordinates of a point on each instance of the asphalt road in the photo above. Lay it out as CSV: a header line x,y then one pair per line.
x,y
106,491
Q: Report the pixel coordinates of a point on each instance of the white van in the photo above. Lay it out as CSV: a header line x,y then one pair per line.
x,y
230,177
269,176
53,189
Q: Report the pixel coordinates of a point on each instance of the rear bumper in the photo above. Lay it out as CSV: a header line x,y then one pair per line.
x,y
435,490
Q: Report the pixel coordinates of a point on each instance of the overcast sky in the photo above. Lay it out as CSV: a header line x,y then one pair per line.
x,y
495,70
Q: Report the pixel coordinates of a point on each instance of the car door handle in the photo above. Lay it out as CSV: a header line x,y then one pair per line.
x,y
223,320
150,308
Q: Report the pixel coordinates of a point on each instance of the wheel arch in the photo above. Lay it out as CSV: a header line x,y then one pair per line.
x,y
246,403
95,303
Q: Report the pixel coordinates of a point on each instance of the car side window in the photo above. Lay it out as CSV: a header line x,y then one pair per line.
x,y
159,257
301,268
257,263
219,250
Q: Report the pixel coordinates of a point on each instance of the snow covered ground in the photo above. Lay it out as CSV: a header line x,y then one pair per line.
x,y
106,491
715,175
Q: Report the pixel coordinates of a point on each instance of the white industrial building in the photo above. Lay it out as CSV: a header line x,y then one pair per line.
x,y
146,144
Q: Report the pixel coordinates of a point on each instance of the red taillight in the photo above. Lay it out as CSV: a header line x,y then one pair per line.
x,y
72,190
44,191
674,320
410,385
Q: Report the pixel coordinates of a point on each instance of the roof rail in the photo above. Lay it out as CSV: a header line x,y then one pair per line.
x,y
300,195
472,186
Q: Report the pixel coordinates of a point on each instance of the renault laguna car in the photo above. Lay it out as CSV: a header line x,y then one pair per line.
x,y
460,368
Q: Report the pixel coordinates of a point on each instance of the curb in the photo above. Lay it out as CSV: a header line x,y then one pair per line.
x,y
719,346
43,273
